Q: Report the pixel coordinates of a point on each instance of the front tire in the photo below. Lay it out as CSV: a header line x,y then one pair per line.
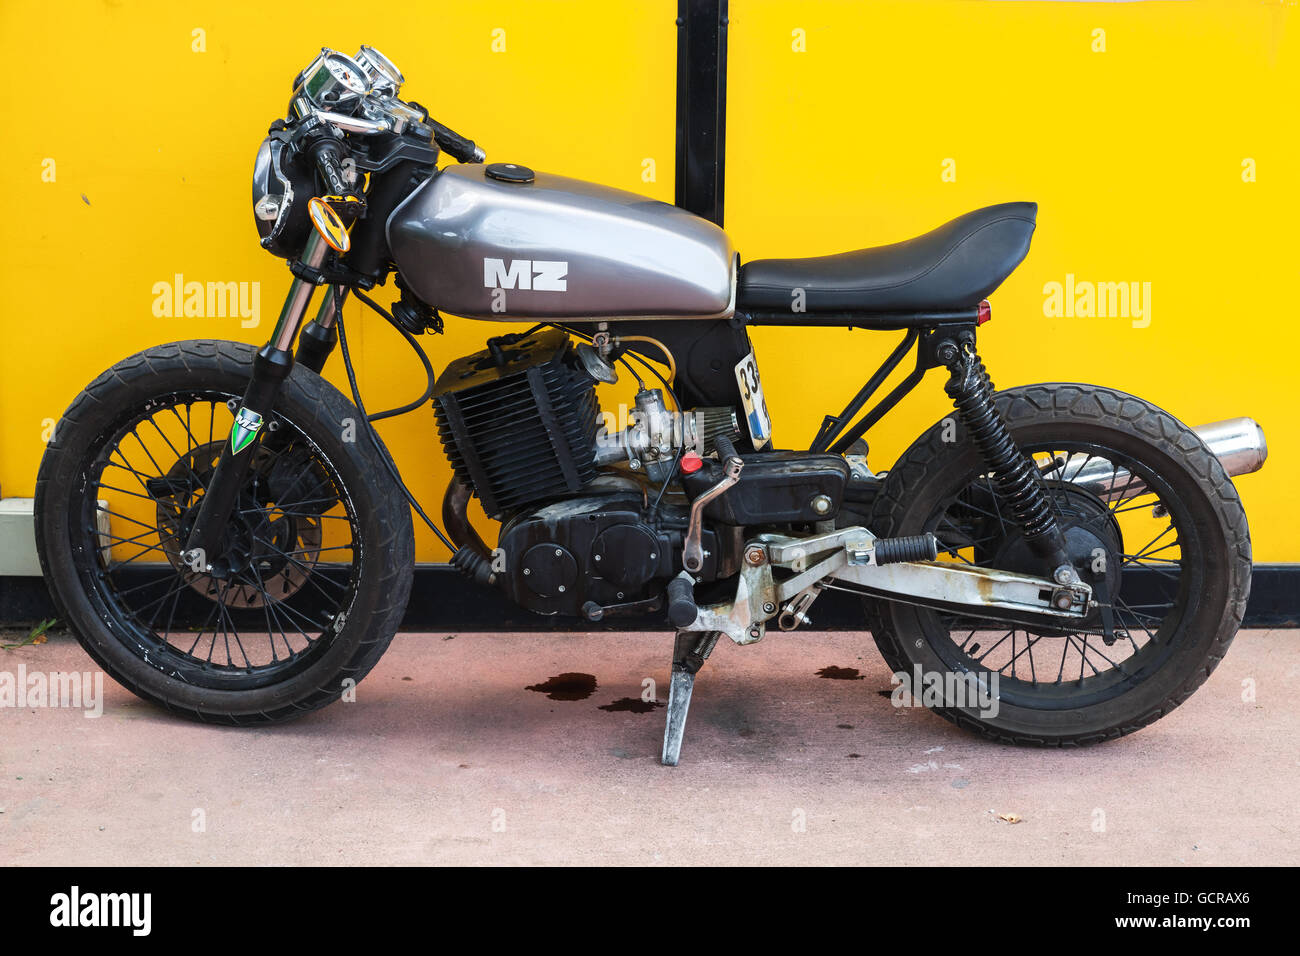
x,y
321,532
1101,690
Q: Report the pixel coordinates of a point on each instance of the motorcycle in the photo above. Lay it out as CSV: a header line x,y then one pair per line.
x,y
229,537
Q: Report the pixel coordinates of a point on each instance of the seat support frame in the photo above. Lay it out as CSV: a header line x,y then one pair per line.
x,y
836,434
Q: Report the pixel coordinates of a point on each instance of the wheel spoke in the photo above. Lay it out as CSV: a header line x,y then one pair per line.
x,y
977,517
272,551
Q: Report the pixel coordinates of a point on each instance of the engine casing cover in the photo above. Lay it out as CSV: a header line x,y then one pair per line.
x,y
596,548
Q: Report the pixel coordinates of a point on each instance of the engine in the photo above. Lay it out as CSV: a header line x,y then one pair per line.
x,y
521,425
518,421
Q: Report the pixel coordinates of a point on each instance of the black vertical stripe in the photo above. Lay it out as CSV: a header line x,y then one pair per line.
x,y
701,106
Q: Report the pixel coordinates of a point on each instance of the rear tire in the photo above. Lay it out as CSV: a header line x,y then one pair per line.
x,y
1213,568
309,412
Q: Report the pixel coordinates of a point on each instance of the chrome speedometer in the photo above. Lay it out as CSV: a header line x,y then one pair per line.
x,y
334,82
384,75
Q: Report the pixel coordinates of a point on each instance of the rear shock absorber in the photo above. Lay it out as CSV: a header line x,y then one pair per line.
x,y
1015,479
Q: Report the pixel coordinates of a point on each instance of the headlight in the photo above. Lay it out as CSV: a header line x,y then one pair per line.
x,y
280,193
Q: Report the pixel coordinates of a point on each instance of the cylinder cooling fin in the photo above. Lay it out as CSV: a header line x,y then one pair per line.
x,y
518,420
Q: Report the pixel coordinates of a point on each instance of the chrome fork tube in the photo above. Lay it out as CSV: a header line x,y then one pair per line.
x,y
271,366
331,305
299,297
318,337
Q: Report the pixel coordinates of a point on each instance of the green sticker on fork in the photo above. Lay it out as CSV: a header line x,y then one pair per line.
x,y
247,423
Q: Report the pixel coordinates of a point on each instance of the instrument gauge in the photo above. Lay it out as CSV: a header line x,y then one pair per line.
x,y
334,81
348,72
383,72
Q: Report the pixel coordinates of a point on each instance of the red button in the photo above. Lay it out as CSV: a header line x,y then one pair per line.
x,y
691,463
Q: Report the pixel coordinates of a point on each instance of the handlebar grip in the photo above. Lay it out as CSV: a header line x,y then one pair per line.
x,y
331,169
453,144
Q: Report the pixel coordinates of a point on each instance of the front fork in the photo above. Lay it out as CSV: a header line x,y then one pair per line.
x,y
317,339
271,366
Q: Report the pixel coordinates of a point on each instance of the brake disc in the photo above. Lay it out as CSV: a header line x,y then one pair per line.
x,y
278,551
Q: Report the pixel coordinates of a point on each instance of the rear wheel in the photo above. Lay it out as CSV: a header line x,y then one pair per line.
x,y
1149,515
314,568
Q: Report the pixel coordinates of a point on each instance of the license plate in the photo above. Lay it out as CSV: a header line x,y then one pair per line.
x,y
751,396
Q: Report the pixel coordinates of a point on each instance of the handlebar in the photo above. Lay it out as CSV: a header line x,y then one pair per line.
x,y
360,96
458,147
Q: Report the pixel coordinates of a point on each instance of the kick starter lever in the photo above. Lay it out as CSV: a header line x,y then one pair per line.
x,y
693,550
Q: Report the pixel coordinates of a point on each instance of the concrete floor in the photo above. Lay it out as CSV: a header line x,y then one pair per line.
x,y
446,757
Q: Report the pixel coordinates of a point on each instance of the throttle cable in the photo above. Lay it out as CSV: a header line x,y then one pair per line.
x,y
667,384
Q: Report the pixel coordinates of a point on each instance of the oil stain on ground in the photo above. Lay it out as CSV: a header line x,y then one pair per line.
x,y
631,705
840,673
569,686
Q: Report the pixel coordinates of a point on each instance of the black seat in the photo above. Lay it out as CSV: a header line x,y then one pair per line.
x,y
947,270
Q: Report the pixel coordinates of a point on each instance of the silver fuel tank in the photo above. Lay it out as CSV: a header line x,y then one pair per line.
x,y
473,245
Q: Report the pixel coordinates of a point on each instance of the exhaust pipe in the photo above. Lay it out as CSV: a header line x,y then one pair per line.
x,y
472,556
1238,443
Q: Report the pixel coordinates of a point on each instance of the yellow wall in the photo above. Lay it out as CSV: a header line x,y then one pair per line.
x,y
1134,155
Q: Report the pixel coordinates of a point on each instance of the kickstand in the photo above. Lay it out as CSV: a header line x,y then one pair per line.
x,y
690,651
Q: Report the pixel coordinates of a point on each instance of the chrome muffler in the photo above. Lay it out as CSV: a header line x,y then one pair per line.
x,y
1238,443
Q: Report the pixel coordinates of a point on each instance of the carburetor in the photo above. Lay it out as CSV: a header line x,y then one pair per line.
x,y
655,435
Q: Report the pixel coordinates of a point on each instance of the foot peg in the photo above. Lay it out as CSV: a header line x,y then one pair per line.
x,y
682,609
689,654
914,547
882,551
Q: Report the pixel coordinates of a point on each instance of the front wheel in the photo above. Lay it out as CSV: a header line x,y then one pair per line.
x,y
1150,516
316,560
